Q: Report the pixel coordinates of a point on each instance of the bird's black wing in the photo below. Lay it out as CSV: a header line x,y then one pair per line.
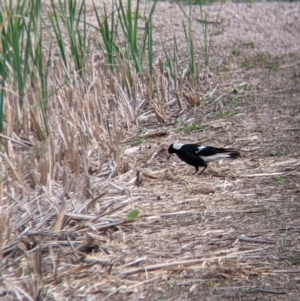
x,y
190,157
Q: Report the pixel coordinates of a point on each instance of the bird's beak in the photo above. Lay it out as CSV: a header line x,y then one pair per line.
x,y
169,156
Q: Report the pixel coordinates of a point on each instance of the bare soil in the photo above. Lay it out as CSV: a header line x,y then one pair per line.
x,y
232,233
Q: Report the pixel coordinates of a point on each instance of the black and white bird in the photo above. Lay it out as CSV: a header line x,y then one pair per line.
x,y
199,155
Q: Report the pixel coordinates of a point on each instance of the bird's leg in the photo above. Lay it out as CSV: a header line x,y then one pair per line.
x,y
205,166
197,169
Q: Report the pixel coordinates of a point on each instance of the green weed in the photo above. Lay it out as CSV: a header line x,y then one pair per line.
x,y
224,114
72,14
138,48
139,140
262,58
209,284
246,63
235,52
191,128
225,69
206,38
172,285
171,59
23,61
249,45
228,110
293,260
278,180
272,153
140,131
274,65
108,32
133,214
264,211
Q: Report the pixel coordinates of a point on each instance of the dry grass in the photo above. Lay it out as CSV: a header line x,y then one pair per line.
x,y
230,233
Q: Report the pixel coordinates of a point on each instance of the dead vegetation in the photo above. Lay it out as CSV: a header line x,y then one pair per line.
x,y
233,233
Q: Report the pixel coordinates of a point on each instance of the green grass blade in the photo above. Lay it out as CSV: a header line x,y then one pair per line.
x,y
109,34
54,19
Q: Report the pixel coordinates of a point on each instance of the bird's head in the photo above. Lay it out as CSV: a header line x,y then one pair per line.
x,y
173,148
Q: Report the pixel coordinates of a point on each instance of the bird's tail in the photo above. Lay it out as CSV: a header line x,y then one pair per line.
x,y
233,154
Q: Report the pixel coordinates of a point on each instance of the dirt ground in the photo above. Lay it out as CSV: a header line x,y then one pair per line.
x,y
232,233
213,212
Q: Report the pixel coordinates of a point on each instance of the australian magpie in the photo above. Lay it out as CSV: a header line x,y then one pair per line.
x,y
199,155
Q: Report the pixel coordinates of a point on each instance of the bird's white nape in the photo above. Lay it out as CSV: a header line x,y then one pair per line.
x,y
200,148
177,146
